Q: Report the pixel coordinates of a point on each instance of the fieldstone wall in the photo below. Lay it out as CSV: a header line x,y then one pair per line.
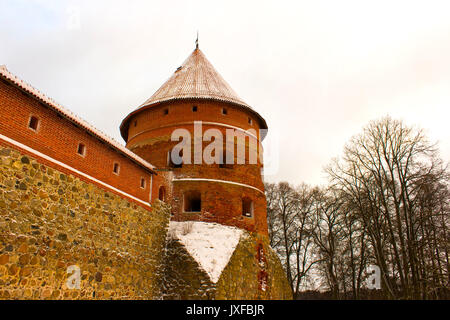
x,y
50,221
254,272
184,278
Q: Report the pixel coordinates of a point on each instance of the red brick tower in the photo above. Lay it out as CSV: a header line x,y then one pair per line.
x,y
223,192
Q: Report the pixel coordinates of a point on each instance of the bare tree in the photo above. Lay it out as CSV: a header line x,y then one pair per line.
x,y
387,204
288,212
327,233
381,173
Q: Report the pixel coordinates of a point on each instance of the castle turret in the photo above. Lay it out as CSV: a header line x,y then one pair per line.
x,y
196,99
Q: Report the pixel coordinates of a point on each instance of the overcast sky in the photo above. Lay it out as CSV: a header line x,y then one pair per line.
x,y
317,71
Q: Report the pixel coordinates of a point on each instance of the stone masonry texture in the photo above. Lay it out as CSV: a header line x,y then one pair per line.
x,y
247,276
61,208
50,220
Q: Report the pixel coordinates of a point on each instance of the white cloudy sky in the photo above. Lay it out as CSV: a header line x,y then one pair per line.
x,y
318,71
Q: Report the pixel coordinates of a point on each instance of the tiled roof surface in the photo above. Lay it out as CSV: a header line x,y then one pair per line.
x,y
195,78
74,118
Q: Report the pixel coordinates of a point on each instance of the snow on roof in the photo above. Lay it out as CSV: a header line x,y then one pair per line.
x,y
210,244
74,118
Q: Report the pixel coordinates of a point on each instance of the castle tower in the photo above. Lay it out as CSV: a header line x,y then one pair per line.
x,y
196,98
69,190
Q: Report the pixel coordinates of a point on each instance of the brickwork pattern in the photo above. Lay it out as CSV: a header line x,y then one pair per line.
x,y
149,133
58,138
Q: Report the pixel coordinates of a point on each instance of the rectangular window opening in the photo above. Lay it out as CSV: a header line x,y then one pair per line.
x,y
116,168
192,201
247,207
81,149
33,123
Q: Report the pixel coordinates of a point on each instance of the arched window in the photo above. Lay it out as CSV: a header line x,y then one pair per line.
x,y
162,193
247,207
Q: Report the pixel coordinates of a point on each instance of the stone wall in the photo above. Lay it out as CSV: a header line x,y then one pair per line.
x,y
50,221
252,275
184,279
249,275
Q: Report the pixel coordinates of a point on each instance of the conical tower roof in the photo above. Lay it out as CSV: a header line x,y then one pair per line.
x,y
196,78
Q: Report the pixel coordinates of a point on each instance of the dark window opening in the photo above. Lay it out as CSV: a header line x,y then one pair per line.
x,y
116,168
142,183
34,123
250,121
192,201
166,111
162,193
247,207
224,111
194,109
135,123
81,149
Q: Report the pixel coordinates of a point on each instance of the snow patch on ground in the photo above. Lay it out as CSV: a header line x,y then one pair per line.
x,y
210,244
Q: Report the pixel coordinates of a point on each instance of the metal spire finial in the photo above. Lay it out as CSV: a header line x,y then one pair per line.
x,y
196,41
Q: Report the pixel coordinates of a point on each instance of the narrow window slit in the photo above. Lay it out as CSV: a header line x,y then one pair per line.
x,y
81,149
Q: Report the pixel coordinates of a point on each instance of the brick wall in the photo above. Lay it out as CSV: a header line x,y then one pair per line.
x,y
149,136
181,111
58,138
221,203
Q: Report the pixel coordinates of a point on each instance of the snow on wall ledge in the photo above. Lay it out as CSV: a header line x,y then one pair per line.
x,y
210,244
